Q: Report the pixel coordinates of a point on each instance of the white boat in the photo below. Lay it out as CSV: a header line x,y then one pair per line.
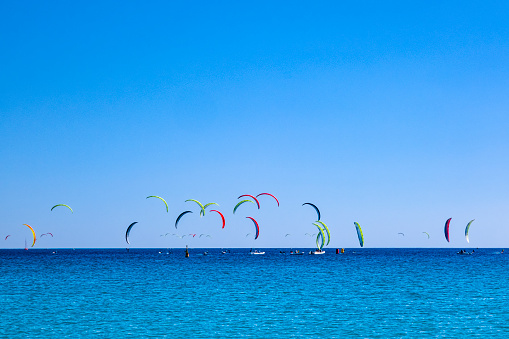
x,y
256,252
317,252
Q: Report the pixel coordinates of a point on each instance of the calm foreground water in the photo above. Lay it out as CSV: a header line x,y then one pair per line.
x,y
364,293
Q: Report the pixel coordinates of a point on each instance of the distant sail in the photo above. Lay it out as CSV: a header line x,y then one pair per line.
x,y
446,229
359,234
467,229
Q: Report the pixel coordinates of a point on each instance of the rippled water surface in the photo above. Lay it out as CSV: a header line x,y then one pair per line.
x,y
372,293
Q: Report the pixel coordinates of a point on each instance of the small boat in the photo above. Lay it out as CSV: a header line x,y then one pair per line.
x,y
256,252
316,252
297,252
462,252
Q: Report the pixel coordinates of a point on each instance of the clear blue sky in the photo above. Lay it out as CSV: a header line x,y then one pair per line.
x,y
391,114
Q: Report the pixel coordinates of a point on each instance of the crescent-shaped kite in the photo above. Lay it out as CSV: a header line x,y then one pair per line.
x,y
270,195
155,196
316,208
62,205
446,229
327,229
359,233
256,226
467,229
222,216
129,231
180,216
33,233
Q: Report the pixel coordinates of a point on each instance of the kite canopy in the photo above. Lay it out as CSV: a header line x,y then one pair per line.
x,y
326,229
256,226
446,229
269,195
180,216
316,208
155,196
467,229
62,205
33,234
129,231
426,234
222,216
359,234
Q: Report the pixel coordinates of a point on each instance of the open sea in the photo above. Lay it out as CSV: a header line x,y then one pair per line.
x,y
364,293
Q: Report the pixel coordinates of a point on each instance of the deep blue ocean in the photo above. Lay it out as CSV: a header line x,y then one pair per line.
x,y
364,293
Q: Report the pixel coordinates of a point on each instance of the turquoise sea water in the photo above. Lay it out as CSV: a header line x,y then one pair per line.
x,y
364,293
